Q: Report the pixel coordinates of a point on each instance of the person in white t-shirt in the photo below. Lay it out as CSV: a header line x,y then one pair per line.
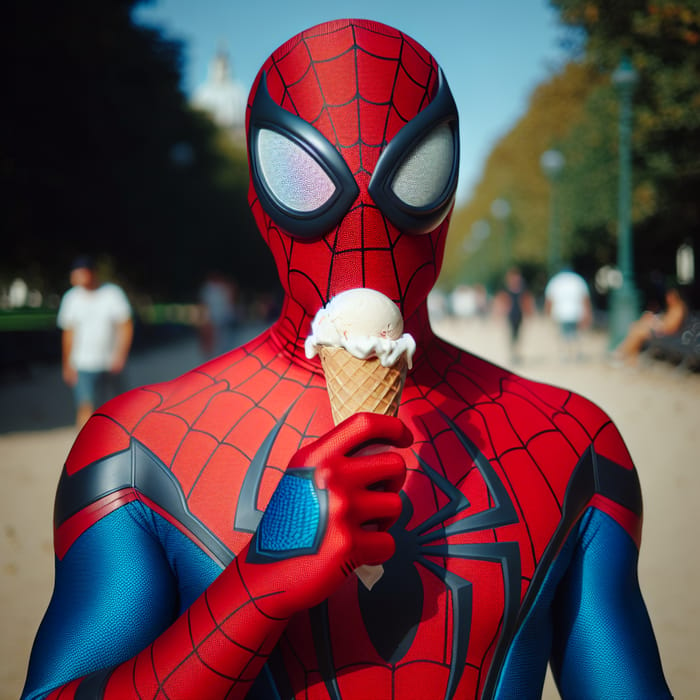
x,y
97,331
567,301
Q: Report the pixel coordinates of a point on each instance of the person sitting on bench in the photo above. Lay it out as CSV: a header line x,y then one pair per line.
x,y
653,325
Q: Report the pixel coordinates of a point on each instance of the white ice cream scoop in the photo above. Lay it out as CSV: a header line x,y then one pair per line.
x,y
366,323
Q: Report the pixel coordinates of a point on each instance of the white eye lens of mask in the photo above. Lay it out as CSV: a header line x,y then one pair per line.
x,y
295,178
424,174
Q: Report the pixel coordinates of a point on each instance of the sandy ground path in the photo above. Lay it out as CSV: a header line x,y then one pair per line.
x,y
657,410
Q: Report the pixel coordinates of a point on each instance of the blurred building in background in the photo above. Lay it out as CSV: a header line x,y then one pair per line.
x,y
223,97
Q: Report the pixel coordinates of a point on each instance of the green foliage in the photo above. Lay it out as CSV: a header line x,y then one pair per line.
x,y
513,172
27,320
662,40
577,112
99,152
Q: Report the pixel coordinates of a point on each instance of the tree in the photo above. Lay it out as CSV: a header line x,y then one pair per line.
x,y
513,172
100,152
577,111
662,39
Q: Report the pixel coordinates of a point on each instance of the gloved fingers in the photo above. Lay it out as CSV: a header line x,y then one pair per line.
x,y
370,428
352,434
376,511
381,471
373,547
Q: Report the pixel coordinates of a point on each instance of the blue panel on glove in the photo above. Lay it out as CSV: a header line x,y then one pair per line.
x,y
294,520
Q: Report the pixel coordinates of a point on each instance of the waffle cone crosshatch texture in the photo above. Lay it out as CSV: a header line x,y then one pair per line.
x,y
356,385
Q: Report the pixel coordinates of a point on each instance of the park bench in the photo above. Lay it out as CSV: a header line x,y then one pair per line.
x,y
682,348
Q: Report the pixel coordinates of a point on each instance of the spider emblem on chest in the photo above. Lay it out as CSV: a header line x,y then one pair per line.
x,y
392,610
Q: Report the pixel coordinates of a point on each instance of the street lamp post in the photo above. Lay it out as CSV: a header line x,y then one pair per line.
x,y
500,208
552,163
624,304
480,231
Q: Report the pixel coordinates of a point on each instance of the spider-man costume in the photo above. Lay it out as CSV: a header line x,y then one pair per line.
x,y
207,528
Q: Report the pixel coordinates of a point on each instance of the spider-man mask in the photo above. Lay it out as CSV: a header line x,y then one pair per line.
x,y
353,150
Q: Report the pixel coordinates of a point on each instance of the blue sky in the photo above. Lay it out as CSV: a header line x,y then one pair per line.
x,y
493,52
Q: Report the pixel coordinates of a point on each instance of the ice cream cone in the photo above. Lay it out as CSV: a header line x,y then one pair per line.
x,y
356,385
365,356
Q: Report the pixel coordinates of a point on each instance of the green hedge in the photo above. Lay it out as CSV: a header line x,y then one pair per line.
x,y
27,319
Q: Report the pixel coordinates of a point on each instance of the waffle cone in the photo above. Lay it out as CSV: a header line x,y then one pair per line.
x,y
356,385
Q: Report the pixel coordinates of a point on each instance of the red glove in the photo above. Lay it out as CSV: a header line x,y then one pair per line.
x,y
329,514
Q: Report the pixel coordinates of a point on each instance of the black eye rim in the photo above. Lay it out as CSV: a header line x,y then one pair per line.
x,y
418,220
265,114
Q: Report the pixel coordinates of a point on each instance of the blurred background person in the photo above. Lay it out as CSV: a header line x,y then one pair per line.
x,y
97,332
464,301
515,302
217,297
567,301
652,325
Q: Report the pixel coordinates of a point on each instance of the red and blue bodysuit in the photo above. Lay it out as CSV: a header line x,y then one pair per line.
x,y
207,528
